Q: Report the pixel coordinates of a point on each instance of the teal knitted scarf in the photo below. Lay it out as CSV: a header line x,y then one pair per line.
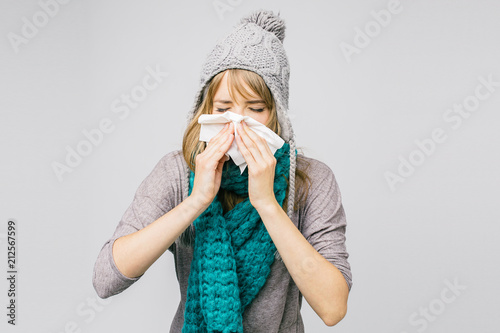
x,y
232,254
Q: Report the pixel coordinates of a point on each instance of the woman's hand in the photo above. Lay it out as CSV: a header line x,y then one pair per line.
x,y
261,166
209,163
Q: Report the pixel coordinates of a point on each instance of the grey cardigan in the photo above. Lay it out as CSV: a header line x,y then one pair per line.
x,y
277,307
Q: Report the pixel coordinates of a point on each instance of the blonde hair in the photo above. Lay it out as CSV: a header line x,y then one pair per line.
x,y
192,146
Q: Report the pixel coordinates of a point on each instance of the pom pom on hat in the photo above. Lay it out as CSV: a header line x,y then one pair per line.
x,y
268,21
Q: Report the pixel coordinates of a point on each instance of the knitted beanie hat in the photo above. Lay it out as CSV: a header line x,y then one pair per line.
x,y
255,44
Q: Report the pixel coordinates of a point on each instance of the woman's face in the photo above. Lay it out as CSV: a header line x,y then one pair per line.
x,y
253,107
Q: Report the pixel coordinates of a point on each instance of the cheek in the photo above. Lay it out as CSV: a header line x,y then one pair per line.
x,y
261,118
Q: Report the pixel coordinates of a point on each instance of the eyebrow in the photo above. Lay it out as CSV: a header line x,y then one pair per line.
x,y
256,101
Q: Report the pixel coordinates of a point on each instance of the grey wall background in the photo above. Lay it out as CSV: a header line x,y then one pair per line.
x,y
409,244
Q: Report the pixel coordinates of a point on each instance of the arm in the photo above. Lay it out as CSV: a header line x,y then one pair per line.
x,y
316,257
320,282
136,252
124,259
153,198
146,231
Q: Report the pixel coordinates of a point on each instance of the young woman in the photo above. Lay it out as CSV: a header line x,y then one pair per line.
x,y
247,246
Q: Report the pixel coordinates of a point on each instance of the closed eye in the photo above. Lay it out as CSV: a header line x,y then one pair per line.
x,y
255,110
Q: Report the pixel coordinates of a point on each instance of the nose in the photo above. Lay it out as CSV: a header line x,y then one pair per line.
x,y
238,109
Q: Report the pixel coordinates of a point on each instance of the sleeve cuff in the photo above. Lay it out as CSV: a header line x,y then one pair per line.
x,y
115,268
341,266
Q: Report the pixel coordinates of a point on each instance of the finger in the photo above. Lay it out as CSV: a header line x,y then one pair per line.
x,y
265,145
220,164
221,133
219,147
247,155
260,141
227,129
220,137
253,143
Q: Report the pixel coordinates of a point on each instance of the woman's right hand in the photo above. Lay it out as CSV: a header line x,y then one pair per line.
x,y
209,163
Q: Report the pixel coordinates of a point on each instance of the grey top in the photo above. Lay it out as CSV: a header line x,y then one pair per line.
x,y
277,306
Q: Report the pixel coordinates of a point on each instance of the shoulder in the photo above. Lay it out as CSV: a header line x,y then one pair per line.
x,y
322,184
172,161
317,171
166,175
312,166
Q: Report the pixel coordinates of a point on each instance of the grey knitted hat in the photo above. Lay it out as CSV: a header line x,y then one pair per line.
x,y
255,44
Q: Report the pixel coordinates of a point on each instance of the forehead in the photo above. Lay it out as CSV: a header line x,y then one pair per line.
x,y
239,89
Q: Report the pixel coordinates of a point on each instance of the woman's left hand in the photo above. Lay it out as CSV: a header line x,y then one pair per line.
x,y
261,165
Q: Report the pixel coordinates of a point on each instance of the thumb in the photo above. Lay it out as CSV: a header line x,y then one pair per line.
x,y
220,165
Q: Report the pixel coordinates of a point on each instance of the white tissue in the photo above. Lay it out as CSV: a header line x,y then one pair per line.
x,y
212,124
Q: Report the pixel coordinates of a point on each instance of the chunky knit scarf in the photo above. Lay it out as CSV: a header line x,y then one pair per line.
x,y
232,254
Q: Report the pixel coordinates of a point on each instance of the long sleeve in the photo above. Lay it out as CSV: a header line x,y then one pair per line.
x,y
324,220
153,199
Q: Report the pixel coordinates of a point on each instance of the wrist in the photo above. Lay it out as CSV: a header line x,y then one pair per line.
x,y
196,204
268,208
